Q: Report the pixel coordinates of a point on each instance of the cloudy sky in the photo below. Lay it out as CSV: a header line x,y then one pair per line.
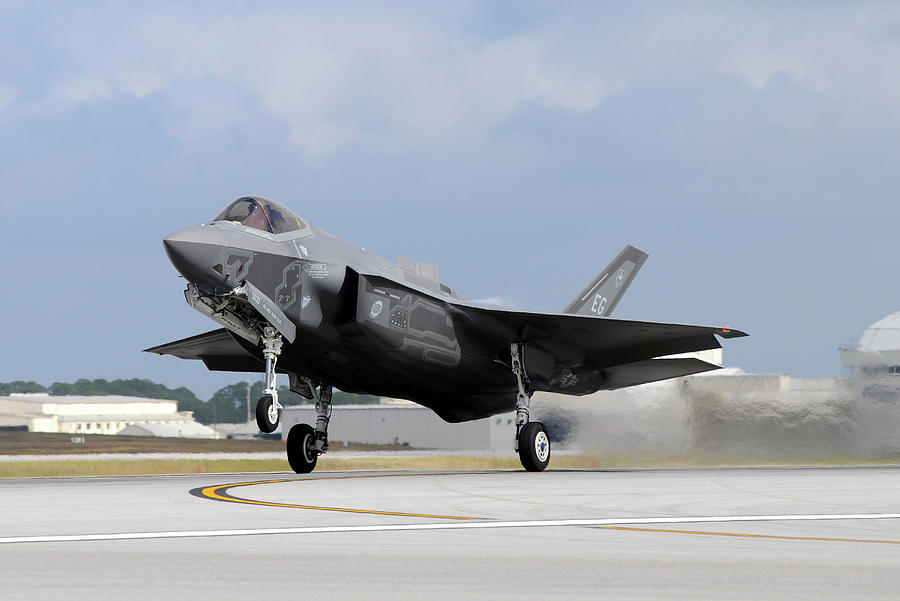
x,y
753,149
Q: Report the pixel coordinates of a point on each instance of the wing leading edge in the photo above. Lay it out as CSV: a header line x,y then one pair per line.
x,y
219,350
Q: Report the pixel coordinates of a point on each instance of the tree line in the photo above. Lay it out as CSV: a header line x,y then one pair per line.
x,y
227,405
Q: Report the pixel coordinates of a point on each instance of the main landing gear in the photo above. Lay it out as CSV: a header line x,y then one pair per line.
x,y
305,443
532,442
268,409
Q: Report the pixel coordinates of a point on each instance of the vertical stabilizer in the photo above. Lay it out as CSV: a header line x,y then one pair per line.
x,y
603,294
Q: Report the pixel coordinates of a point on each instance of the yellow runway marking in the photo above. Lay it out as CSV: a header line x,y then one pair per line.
x,y
220,492
741,535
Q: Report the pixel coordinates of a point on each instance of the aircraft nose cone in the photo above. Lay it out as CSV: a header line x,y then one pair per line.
x,y
195,252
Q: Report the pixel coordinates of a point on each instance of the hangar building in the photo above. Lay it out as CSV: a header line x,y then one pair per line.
x,y
41,412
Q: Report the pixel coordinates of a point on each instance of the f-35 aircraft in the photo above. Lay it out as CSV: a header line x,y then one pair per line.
x,y
295,299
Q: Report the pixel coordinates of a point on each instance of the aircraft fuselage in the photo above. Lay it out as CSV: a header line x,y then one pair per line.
x,y
361,323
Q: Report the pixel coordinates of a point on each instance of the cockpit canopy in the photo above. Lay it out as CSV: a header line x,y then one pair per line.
x,y
261,214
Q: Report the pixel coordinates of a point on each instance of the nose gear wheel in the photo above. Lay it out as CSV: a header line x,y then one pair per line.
x,y
267,414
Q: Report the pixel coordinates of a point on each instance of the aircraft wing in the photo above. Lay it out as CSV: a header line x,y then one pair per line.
x,y
576,354
219,350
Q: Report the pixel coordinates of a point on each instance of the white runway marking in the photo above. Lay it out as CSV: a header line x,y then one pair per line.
x,y
480,525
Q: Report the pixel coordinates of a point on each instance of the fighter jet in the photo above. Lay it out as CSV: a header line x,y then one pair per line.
x,y
296,300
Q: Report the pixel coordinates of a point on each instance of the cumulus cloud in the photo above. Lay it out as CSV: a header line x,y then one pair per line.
x,y
844,53
341,76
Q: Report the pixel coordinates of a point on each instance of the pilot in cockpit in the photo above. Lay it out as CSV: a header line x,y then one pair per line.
x,y
257,219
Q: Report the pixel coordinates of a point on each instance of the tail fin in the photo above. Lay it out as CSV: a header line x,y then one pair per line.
x,y
603,294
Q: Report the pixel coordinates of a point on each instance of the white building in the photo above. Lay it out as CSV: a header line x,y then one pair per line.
x,y
87,414
170,430
878,348
876,360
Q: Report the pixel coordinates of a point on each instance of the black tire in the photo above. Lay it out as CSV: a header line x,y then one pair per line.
x,y
301,457
264,415
534,447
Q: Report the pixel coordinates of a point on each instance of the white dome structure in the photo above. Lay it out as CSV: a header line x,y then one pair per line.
x,y
883,335
878,349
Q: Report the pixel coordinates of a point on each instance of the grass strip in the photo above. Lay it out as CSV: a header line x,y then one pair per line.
x,y
65,469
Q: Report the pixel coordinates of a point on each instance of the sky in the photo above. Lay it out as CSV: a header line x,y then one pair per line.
x,y
752,149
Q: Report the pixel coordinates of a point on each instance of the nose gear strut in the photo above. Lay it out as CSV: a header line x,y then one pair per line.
x,y
268,409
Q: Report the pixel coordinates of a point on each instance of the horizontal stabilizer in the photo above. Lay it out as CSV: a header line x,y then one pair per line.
x,y
653,370
603,294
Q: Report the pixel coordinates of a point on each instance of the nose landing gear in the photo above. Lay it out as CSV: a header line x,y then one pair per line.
x,y
268,409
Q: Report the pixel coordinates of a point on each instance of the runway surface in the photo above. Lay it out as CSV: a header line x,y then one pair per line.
x,y
763,533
